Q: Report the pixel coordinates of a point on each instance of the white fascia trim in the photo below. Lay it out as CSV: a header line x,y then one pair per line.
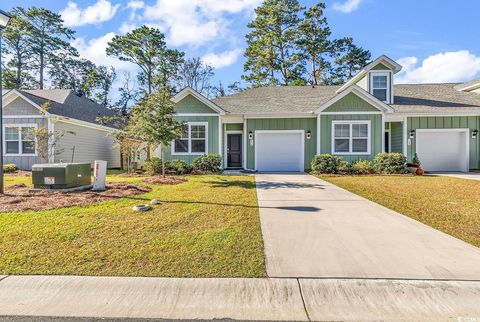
x,y
302,132
382,59
357,90
195,114
469,88
351,113
369,138
279,115
23,116
452,114
18,94
34,125
190,91
82,123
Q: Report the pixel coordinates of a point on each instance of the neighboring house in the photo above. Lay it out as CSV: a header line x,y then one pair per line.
x,y
283,128
68,112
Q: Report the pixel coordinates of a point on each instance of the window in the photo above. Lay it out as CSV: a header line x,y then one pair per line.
x,y
193,139
351,137
18,140
380,86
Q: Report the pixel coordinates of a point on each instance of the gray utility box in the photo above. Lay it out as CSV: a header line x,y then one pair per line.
x,y
61,175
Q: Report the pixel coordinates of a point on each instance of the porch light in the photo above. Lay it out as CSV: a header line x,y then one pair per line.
x,y
250,135
4,19
412,134
474,134
309,135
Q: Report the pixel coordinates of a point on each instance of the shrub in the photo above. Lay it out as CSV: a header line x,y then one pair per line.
x,y
344,167
390,163
325,163
9,167
363,167
153,166
178,167
208,163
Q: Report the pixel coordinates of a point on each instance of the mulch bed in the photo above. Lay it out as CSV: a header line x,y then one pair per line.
x,y
19,197
19,173
169,180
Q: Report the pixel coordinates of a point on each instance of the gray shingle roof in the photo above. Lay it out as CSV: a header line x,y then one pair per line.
x,y
411,98
277,99
65,102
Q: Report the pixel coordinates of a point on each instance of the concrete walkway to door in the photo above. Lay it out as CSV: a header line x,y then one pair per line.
x,y
314,229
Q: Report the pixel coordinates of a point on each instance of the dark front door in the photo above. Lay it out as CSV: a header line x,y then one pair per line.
x,y
234,150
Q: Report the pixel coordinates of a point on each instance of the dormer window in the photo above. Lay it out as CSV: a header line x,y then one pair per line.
x,y
380,86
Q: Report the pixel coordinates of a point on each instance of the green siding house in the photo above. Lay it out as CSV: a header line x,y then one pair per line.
x,y
282,128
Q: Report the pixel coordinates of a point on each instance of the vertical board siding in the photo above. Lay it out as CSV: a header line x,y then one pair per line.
x,y
351,103
212,137
396,134
90,144
19,106
448,122
190,104
306,124
376,134
24,162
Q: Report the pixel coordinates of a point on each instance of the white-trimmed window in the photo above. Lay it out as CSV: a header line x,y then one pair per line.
x,y
380,86
194,139
351,137
18,140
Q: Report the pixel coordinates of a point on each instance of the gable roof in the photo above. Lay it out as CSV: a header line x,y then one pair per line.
x,y
355,89
385,60
470,85
409,98
190,91
277,99
65,102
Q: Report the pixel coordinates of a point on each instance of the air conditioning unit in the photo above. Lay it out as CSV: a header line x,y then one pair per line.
x,y
61,175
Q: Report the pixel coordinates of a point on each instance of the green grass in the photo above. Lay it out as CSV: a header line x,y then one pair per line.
x,y
448,204
206,227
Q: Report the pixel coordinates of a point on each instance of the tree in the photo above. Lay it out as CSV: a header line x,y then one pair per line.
x,y
99,83
47,38
349,58
128,95
272,56
69,72
152,121
220,90
18,47
146,48
196,74
314,43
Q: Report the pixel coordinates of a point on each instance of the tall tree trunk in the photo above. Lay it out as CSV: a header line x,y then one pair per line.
x,y
41,69
314,74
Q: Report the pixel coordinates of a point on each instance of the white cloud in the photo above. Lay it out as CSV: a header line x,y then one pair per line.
x,y
224,59
194,22
99,12
456,66
347,6
135,5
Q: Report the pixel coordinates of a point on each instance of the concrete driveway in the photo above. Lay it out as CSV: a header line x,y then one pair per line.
x,y
314,229
460,175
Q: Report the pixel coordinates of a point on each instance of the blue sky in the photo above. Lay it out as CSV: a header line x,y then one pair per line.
x,y
435,41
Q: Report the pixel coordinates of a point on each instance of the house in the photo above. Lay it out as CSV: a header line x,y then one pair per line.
x,y
283,128
85,139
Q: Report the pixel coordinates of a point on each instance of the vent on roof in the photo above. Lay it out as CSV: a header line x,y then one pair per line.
x,y
80,93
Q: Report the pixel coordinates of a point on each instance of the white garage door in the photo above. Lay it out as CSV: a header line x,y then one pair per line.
x,y
279,151
443,150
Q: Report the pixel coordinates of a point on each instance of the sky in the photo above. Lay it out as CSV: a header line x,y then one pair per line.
x,y
434,40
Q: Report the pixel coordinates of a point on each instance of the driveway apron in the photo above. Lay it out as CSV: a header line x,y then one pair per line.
x,y
312,228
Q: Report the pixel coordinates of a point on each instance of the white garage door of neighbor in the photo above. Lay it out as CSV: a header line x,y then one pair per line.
x,y
279,151
443,150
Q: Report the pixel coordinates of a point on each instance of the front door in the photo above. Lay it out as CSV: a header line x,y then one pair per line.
x,y
234,150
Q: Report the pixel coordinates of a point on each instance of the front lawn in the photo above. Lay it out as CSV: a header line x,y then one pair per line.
x,y
206,227
448,204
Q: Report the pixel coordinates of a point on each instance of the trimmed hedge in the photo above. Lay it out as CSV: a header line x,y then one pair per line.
x,y
363,167
178,167
153,166
390,163
325,163
208,163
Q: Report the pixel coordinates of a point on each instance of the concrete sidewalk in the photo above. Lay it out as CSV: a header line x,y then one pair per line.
x,y
239,299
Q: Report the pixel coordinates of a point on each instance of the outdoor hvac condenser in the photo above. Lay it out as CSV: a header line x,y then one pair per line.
x,y
61,175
